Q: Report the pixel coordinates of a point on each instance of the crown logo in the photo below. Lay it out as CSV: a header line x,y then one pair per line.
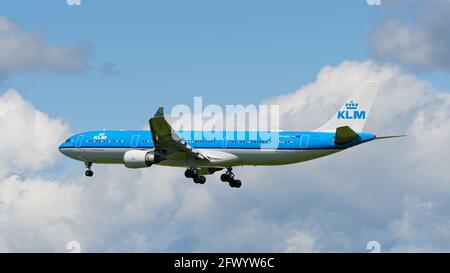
x,y
351,105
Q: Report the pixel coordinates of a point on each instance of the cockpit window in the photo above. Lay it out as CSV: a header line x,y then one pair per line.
x,y
67,140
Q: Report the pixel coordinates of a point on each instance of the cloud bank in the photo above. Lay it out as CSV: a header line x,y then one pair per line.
x,y
414,34
29,136
22,51
393,191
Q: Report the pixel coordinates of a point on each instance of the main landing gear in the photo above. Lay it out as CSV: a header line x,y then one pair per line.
x,y
193,173
229,177
88,171
226,177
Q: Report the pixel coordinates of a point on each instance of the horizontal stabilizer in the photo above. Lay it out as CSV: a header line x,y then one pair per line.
x,y
344,135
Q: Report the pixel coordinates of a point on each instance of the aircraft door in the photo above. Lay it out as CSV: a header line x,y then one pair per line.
x,y
224,143
135,141
304,141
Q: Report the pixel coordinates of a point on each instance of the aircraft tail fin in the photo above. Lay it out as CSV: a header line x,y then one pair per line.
x,y
355,111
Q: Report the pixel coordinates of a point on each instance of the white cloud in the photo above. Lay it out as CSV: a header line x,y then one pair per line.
x,y
301,242
29,137
420,228
22,51
337,203
35,214
417,34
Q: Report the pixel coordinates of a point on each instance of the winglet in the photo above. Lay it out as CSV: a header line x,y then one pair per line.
x,y
159,113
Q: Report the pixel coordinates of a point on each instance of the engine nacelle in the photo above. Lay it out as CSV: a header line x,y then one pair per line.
x,y
135,159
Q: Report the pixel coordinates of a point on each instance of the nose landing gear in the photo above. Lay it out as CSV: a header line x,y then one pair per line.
x,y
88,172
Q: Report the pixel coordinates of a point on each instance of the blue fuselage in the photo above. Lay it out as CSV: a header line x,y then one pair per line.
x,y
228,140
247,148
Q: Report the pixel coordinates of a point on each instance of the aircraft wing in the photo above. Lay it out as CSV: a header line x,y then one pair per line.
x,y
167,143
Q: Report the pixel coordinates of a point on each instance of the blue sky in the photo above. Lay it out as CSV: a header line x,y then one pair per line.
x,y
166,52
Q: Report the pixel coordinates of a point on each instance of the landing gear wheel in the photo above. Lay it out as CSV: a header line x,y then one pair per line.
x,y
189,173
225,177
88,172
200,179
228,175
235,183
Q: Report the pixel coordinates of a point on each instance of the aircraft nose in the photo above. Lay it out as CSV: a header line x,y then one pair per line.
x,y
61,149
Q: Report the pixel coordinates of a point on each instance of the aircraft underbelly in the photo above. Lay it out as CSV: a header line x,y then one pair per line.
x,y
257,157
279,157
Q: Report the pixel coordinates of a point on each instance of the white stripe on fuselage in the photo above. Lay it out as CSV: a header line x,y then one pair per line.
x,y
239,156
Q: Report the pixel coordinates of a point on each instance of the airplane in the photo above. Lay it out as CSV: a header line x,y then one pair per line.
x,y
162,145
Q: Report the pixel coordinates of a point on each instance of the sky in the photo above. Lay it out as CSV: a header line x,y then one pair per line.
x,y
110,64
166,52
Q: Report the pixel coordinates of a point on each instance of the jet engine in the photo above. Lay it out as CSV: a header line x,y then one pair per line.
x,y
135,159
